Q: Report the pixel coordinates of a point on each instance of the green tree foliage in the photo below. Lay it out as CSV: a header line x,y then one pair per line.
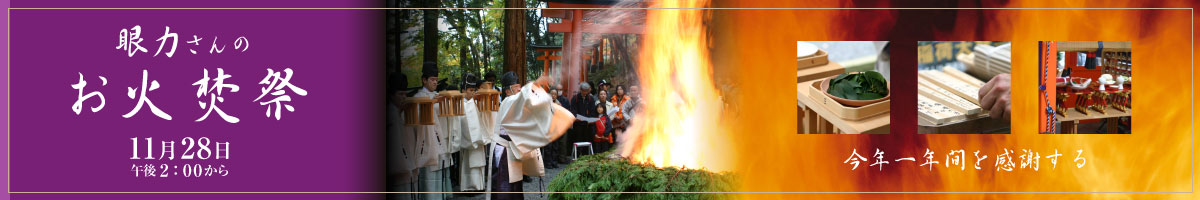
x,y
472,40
536,33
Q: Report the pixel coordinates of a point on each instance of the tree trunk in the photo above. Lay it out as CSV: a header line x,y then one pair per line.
x,y
479,52
514,38
431,31
486,53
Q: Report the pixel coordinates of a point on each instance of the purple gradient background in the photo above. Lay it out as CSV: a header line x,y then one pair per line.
x,y
4,95
331,143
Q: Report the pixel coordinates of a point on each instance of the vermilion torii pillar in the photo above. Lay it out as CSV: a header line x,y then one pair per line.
x,y
577,19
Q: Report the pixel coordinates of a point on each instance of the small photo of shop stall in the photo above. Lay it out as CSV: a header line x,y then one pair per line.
x,y
1085,87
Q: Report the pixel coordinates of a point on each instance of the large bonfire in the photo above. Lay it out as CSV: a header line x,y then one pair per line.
x,y
681,107
662,149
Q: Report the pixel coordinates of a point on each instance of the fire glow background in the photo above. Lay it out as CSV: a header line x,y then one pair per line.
x,y
754,50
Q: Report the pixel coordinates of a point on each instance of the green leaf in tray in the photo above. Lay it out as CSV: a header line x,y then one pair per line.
x,y
866,85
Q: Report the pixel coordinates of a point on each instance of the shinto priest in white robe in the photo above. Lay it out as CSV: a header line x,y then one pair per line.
x,y
531,120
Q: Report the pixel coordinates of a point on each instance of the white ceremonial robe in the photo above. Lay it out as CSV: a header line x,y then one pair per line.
x,y
487,126
428,141
432,156
400,147
532,120
452,127
440,132
474,157
474,126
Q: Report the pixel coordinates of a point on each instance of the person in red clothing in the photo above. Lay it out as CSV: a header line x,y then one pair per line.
x,y
604,138
618,103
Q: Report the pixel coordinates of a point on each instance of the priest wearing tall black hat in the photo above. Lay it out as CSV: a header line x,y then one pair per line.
x,y
434,153
401,149
475,137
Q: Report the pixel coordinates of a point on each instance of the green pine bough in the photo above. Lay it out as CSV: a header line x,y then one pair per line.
x,y
621,179
868,85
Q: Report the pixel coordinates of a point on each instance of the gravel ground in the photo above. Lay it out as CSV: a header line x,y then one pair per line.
x,y
536,184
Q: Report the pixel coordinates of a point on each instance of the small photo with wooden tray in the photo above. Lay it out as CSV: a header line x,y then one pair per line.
x,y
954,81
1086,87
843,87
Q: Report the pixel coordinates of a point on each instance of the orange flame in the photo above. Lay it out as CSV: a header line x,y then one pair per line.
x,y
1156,157
681,106
750,49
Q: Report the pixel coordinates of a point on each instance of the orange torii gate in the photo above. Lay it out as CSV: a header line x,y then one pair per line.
x,y
577,19
549,54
